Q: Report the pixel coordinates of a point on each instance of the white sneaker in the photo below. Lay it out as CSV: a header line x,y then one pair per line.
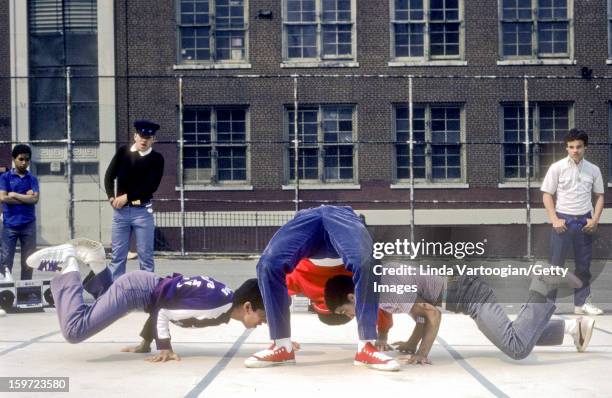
x,y
50,258
2,313
588,309
8,278
90,252
582,334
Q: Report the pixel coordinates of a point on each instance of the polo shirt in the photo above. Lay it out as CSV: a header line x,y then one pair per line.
x,y
18,214
574,185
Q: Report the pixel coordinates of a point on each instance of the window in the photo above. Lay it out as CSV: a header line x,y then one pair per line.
x,y
533,29
326,150
212,31
215,149
316,30
437,152
427,29
63,33
548,124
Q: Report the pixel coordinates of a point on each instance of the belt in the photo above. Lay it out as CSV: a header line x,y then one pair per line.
x,y
137,203
574,217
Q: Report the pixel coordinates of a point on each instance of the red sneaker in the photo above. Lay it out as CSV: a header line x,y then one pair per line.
x,y
270,357
372,358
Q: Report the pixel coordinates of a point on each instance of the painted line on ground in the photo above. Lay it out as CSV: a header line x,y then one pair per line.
x,y
218,368
486,383
28,342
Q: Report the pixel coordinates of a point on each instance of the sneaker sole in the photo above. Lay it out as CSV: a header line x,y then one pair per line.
x,y
377,367
587,336
583,312
267,364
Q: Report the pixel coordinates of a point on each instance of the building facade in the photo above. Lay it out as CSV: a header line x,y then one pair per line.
x,y
243,64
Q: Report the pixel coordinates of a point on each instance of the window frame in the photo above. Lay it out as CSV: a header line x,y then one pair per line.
x,y
426,36
429,180
214,144
535,56
535,137
212,61
320,59
320,145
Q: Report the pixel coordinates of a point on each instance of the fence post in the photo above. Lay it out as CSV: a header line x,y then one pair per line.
x,y
527,171
410,155
69,153
296,150
180,162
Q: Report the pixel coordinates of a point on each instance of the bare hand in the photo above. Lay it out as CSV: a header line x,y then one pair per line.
x,y
590,227
164,356
406,347
11,194
119,202
418,359
30,193
559,225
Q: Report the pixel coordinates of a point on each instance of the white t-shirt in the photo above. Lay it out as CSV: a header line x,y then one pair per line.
x,y
574,185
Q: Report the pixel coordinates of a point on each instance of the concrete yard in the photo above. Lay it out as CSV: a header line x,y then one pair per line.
x,y
464,362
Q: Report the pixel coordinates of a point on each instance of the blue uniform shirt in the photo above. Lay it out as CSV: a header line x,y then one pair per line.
x,y
17,215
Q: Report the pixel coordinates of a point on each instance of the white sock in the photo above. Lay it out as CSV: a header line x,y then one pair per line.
x,y
284,343
362,344
570,326
70,265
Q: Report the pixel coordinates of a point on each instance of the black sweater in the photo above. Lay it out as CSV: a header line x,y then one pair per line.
x,y
137,176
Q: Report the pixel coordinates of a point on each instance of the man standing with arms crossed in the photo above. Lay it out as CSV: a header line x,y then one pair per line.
x,y
19,194
574,220
138,171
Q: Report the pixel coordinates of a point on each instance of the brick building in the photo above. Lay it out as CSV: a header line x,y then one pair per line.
x,y
240,62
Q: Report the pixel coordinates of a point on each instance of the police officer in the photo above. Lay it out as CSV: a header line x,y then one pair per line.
x,y
132,177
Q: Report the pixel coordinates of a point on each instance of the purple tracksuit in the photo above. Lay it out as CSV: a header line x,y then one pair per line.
x,y
186,301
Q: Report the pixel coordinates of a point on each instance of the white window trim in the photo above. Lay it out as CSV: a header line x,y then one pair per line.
x,y
211,63
203,187
430,185
320,64
427,63
519,184
318,61
321,186
289,182
535,181
400,183
202,66
426,59
534,58
213,183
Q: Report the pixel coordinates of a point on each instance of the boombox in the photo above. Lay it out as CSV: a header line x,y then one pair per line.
x,y
25,296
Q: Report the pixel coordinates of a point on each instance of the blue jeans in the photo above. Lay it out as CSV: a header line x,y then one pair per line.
x,y
139,220
26,234
582,243
326,230
532,326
